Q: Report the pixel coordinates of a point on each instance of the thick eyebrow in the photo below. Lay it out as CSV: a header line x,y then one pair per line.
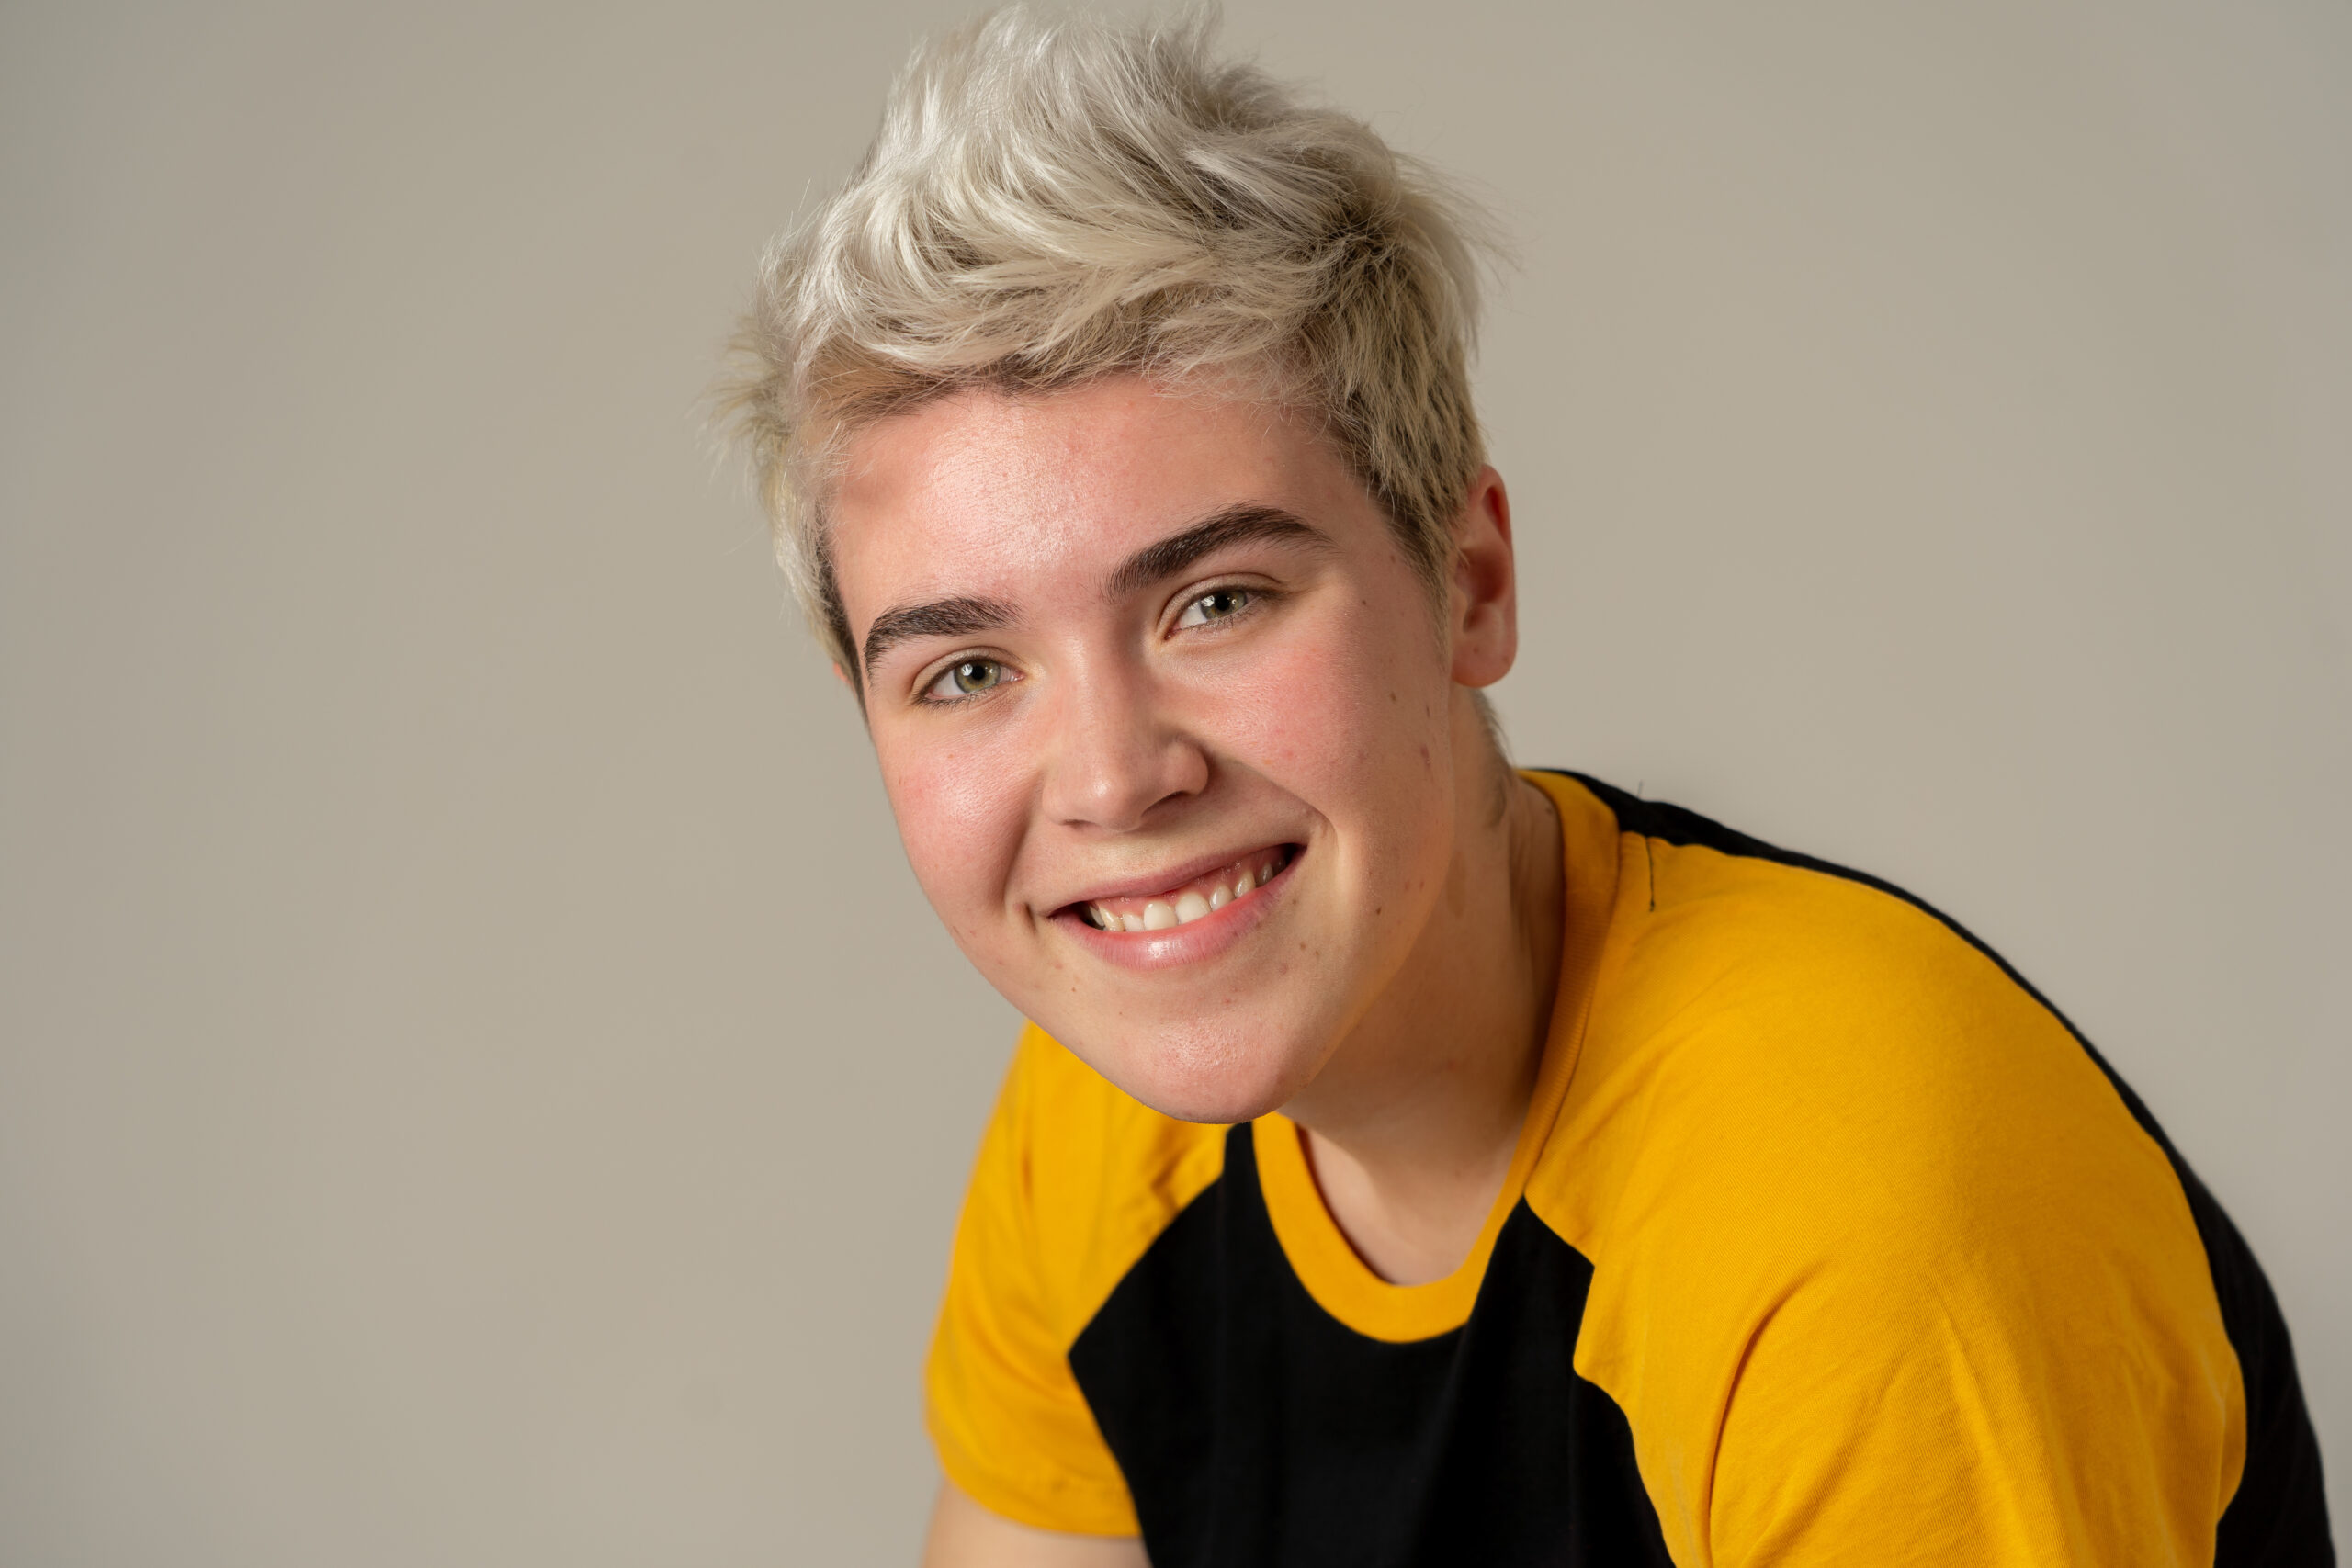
x,y
1238,523
941,617
1241,523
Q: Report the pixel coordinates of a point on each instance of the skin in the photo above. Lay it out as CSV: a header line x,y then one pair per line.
x,y
1094,714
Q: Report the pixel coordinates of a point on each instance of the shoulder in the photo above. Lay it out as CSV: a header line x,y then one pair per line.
x,y
1073,1183
1087,1173
1829,1155
1770,1012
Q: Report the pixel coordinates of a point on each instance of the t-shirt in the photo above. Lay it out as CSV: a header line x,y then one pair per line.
x,y
1827,1240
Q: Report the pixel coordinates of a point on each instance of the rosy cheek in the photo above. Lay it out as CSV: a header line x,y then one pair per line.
x,y
1331,699
960,814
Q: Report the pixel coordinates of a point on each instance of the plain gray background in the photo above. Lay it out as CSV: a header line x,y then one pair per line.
x,y
478,1084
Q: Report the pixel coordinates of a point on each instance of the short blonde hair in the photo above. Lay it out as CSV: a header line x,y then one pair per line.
x,y
1052,199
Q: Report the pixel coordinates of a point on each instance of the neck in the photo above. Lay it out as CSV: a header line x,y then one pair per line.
x,y
1411,1127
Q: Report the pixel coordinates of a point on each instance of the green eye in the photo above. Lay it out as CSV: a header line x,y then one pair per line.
x,y
974,677
1216,604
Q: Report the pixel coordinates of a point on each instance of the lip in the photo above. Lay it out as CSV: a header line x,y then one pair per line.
x,y
1205,938
1160,882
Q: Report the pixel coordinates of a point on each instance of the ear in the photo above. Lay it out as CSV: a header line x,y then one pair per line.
x,y
1485,586
841,674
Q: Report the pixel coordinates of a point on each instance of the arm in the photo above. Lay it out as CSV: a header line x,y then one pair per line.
x,y
965,1535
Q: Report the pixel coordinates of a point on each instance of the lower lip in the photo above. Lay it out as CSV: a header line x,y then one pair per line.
x,y
1205,938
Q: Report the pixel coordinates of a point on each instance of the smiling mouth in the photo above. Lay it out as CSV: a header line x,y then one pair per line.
x,y
1193,900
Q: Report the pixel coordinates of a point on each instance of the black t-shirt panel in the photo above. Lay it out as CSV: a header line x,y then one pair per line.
x,y
1256,1429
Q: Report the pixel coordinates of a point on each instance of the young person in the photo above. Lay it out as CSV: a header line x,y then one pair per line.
x,y
1411,1160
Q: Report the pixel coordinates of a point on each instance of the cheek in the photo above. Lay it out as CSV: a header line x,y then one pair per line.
x,y
961,813
1350,714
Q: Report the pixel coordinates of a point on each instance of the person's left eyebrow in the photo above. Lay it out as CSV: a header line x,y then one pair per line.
x,y
1244,523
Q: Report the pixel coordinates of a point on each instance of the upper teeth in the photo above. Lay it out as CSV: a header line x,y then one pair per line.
x,y
1159,915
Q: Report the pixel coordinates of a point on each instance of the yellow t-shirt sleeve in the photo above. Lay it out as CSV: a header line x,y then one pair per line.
x,y
1932,1415
1012,1427
1891,1274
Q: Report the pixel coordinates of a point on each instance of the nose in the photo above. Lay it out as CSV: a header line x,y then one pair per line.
x,y
1115,753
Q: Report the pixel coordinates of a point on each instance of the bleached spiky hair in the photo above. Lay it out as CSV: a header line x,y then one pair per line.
x,y
1054,199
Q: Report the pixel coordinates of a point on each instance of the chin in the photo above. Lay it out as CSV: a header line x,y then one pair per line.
x,y
1204,1076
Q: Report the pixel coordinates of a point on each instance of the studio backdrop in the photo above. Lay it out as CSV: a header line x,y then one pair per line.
x,y
478,1084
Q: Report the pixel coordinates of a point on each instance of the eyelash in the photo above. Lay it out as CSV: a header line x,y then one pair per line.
x,y
1251,597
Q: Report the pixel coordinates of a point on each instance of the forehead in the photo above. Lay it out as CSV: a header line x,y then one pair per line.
x,y
983,491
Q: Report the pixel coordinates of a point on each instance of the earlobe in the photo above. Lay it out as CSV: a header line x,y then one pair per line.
x,y
1485,586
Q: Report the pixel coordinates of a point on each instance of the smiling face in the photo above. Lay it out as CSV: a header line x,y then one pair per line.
x,y
1176,744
